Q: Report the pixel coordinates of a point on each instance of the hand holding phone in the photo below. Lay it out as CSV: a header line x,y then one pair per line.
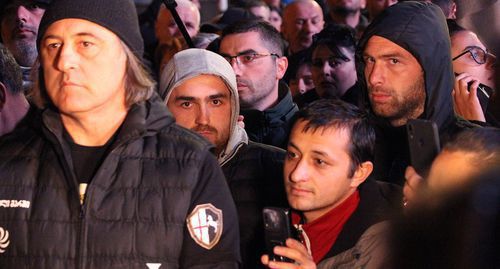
x,y
470,97
277,229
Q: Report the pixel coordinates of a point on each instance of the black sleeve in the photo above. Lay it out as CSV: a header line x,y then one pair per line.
x,y
211,233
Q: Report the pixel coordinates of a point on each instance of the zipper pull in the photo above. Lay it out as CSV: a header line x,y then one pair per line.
x,y
82,188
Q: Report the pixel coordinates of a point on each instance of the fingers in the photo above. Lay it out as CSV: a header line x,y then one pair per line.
x,y
465,100
412,184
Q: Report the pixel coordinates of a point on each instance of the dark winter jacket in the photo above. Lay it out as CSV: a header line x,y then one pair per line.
x,y
420,28
271,126
255,178
157,180
363,230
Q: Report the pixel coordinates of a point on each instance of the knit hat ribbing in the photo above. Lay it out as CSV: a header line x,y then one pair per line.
x,y
118,16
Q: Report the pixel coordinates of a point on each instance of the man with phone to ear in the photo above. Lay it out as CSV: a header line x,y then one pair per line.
x,y
339,214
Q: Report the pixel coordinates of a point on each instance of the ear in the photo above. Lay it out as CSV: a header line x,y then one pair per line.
x,y
3,95
282,65
453,14
361,173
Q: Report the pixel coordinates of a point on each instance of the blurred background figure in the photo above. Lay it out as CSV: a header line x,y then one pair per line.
x,y
449,8
260,9
19,21
375,7
347,12
276,18
458,229
301,20
299,74
473,65
471,153
13,104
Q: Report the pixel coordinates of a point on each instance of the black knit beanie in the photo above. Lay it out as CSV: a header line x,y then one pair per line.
x,y
118,16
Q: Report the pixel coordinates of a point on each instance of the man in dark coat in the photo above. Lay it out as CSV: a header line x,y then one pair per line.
x,y
199,88
101,177
406,65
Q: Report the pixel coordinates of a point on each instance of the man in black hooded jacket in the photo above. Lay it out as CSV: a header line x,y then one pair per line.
x,y
407,68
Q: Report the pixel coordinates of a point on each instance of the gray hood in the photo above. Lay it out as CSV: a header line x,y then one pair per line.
x,y
190,63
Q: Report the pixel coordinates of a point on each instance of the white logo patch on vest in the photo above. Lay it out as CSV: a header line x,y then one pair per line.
x,y
205,225
153,265
4,239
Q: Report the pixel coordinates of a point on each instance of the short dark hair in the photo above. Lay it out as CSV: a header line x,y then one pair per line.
x,y
10,72
271,37
334,36
335,113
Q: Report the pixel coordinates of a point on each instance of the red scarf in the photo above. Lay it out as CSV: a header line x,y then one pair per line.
x,y
323,232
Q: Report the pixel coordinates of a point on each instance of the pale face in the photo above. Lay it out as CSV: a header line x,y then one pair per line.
x,y
316,170
275,20
460,42
166,28
451,169
79,79
332,75
301,21
261,12
395,81
19,28
203,105
303,81
258,80
375,7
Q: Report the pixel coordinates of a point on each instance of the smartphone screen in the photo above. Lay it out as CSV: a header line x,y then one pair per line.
x,y
277,229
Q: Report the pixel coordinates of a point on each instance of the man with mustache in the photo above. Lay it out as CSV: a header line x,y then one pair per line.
x,y
255,51
408,73
19,22
200,89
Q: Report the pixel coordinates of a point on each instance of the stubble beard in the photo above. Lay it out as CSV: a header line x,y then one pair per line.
x,y
24,52
398,112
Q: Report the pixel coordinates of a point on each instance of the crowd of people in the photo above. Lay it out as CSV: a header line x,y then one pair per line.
x,y
130,141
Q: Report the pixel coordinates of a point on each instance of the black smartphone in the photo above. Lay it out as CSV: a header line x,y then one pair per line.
x,y
423,141
483,94
277,229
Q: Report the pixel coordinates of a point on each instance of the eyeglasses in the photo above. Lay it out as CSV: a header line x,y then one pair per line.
x,y
247,58
479,55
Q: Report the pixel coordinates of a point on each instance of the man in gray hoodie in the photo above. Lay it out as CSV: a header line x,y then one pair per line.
x,y
199,88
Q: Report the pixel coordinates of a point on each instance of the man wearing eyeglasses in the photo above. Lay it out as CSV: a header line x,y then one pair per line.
x,y
408,73
255,51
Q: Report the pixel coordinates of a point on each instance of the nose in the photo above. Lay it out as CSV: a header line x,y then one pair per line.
x,y
374,74
308,26
203,115
22,13
66,59
236,66
326,69
299,171
302,86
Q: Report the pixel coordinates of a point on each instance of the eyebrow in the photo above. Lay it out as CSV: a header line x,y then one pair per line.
x,y
321,153
239,53
473,47
82,34
191,98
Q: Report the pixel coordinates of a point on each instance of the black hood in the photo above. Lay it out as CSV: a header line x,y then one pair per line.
x,y
420,28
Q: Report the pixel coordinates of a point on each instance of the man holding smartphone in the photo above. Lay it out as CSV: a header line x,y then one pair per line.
x,y
338,213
